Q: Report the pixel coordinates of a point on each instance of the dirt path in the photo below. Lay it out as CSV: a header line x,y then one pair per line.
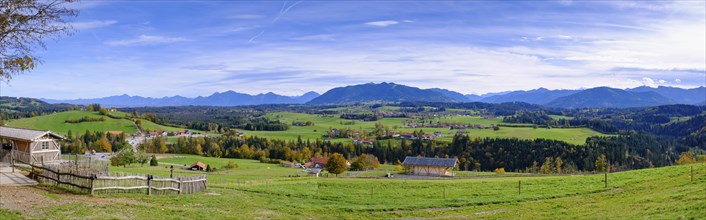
x,y
31,200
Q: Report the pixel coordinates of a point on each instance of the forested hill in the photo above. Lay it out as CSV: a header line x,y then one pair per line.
x,y
13,108
387,92
605,97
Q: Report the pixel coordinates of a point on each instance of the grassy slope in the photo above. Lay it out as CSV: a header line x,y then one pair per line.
x,y
661,193
56,122
322,124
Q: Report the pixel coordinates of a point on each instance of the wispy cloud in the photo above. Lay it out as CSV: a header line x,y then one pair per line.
x,y
145,39
246,16
317,37
382,23
83,25
206,67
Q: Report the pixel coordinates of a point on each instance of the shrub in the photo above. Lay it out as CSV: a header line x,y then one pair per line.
x,y
500,171
153,161
686,158
230,165
399,167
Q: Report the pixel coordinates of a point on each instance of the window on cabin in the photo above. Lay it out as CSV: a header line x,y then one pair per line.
x,y
45,145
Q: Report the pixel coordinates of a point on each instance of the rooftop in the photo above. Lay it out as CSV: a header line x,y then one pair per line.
x,y
25,134
428,161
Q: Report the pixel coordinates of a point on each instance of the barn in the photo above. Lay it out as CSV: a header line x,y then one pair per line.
x,y
32,146
427,166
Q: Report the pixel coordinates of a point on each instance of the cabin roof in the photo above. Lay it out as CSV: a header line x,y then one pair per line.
x,y
428,161
198,164
25,134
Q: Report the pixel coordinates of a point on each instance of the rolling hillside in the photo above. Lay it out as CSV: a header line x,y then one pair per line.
x,y
57,122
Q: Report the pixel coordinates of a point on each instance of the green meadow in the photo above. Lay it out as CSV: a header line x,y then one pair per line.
x,y
322,124
256,190
57,122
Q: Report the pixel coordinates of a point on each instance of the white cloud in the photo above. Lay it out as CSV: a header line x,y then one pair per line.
x,y
661,81
649,82
146,39
83,25
382,23
677,80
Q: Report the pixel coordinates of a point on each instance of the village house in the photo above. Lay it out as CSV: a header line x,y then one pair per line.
x,y
182,133
427,166
33,146
313,171
317,162
157,133
407,136
363,141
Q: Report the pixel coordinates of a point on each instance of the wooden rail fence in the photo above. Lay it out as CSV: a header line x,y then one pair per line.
x,y
88,182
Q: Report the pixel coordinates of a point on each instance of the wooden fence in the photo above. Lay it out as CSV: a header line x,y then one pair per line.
x,y
86,181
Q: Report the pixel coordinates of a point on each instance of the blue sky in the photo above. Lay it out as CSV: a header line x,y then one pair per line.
x,y
166,48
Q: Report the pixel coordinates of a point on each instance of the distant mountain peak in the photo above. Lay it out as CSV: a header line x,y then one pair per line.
x,y
386,92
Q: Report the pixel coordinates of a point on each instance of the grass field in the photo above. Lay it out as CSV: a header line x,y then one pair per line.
x,y
266,192
56,122
322,124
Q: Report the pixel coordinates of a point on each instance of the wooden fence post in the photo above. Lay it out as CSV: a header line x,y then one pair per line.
x,y
58,176
444,192
149,184
12,161
692,173
606,180
93,184
179,185
519,187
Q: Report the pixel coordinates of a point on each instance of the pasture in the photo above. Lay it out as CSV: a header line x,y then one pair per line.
x,y
265,191
57,122
324,123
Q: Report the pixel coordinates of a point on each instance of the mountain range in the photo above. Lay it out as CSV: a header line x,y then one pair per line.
x,y
603,97
228,98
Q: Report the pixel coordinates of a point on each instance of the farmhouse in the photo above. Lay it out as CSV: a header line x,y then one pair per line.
x,y
32,146
426,166
318,162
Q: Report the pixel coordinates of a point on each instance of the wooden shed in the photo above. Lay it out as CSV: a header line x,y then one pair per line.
x,y
427,166
198,166
33,146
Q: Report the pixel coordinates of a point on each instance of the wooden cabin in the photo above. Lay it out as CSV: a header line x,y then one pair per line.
x,y
33,146
427,166
198,166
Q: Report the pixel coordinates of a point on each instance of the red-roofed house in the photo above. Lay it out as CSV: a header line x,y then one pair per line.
x,y
318,162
